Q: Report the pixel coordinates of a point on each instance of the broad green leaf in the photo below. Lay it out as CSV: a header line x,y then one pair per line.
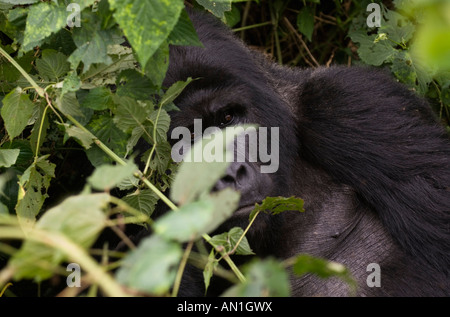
x,y
146,23
198,165
34,184
265,278
100,75
184,32
229,240
276,205
68,104
8,157
187,223
225,203
99,98
157,65
71,83
105,130
26,156
129,113
52,65
151,267
43,19
162,120
305,263
82,137
217,7
80,218
133,84
106,177
161,157
17,109
92,43
398,27
196,218
142,200
233,17
372,53
305,22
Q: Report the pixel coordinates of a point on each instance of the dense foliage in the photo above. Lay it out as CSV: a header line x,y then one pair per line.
x,y
72,88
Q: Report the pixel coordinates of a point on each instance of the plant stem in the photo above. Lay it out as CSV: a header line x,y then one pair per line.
x,y
40,133
74,252
38,89
244,233
227,258
176,285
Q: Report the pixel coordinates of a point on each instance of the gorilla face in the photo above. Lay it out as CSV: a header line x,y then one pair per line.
x,y
222,97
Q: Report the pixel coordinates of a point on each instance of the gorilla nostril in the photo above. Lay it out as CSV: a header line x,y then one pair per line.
x,y
227,179
241,172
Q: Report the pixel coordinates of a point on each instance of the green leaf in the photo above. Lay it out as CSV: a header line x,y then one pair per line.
x,y
43,19
68,104
99,75
142,200
208,271
184,32
99,98
174,91
34,184
161,157
105,130
372,53
82,137
198,217
398,27
129,113
187,223
106,177
266,278
158,64
195,166
217,7
92,43
17,109
305,22
151,267
133,84
71,83
276,205
80,218
305,263
52,65
162,121
146,23
228,240
8,157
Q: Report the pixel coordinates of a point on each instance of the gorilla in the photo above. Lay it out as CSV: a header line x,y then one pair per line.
x,y
365,153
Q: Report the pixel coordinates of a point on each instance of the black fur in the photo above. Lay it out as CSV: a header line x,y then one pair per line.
x,y
364,152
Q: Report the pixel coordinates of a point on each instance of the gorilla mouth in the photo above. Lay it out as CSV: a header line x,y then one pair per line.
x,y
244,210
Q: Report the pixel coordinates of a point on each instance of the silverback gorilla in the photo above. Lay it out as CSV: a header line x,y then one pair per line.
x,y
365,153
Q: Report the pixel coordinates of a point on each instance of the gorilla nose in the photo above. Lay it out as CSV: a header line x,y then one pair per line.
x,y
236,177
245,178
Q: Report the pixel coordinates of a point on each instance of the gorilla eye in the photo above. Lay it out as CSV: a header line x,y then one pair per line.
x,y
226,118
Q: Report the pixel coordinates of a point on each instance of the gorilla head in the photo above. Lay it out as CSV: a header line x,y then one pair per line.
x,y
365,154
